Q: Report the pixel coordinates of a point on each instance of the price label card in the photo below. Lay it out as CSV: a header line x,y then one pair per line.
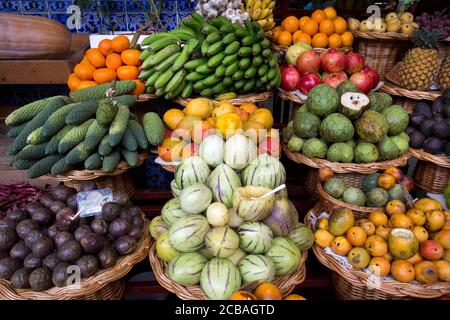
x,y
90,203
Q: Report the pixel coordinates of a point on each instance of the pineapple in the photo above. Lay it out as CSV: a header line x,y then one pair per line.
x,y
444,75
420,64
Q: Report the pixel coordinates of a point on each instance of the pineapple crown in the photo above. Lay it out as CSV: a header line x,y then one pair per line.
x,y
426,38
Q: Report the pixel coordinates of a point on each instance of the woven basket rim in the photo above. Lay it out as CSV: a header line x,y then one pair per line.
x,y
287,95
363,168
381,35
239,100
84,175
285,283
395,90
441,161
89,285
146,97
360,278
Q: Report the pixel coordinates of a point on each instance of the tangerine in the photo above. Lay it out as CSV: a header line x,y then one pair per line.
x,y
294,297
86,83
268,291
95,57
310,27
290,24
120,43
335,41
296,37
127,72
356,236
131,57
320,40
403,271
105,47
326,27
140,88
318,16
113,61
276,33
347,39
340,25
84,71
73,81
330,12
104,75
302,21
285,38
304,37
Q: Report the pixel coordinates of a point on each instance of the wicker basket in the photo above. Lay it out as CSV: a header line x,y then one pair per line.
x,y
91,288
363,168
380,50
286,95
249,98
285,283
351,284
146,97
431,177
441,161
312,178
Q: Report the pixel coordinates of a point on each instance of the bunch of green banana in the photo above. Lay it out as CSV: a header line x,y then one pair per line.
x,y
261,11
216,59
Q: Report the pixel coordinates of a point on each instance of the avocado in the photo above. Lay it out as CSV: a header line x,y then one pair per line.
x,y
50,261
21,278
40,279
31,262
441,129
17,215
99,226
135,232
409,130
433,145
92,243
60,275
69,251
52,231
87,186
43,216
81,232
110,211
72,202
62,192
64,220
438,105
19,251
138,221
416,139
416,119
125,245
43,247
32,237
25,226
8,266
62,237
32,207
8,239
88,265
427,128
423,108
7,224
126,214
119,227
107,257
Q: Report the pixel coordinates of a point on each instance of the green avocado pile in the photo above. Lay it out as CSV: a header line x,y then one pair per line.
x,y
83,131
344,125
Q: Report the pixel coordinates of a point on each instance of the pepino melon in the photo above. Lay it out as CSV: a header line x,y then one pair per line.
x,y
223,181
220,279
264,171
191,170
188,233
196,198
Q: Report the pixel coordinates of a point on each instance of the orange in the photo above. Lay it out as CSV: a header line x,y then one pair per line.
x,y
276,33
395,206
104,75
131,57
173,117
310,27
376,246
302,21
378,218
318,16
120,43
73,81
95,57
140,88
347,39
335,41
113,61
403,271
356,236
380,266
285,38
294,297
326,27
296,37
249,107
290,24
400,220
268,291
84,71
127,72
330,12
417,216
242,295
86,83
340,25
105,47
304,37
320,40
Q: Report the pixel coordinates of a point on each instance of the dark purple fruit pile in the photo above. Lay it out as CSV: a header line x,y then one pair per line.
x,y
437,20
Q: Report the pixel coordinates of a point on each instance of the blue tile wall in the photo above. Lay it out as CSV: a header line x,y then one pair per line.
x,y
123,15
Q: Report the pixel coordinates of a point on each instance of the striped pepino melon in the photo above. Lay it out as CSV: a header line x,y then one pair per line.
x,y
186,268
176,190
254,237
239,151
220,279
285,255
264,171
256,267
171,211
223,181
188,233
302,236
164,249
249,207
191,170
221,242
196,198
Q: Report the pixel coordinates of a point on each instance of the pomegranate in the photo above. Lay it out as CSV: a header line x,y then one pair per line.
x,y
334,79
333,61
373,74
308,81
308,61
362,81
289,78
354,62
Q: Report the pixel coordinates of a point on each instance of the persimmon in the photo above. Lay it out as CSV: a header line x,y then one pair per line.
x,y
113,61
86,83
140,88
127,72
131,57
73,82
104,75
105,47
120,43
84,71
290,24
268,291
242,295
95,57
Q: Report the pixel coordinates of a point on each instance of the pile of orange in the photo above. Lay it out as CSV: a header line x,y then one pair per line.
x,y
323,29
265,291
113,59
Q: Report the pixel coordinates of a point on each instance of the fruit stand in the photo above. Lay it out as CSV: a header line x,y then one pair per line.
x,y
245,152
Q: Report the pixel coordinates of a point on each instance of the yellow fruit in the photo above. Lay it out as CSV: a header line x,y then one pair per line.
x,y
427,204
188,123
341,246
443,270
330,12
263,116
221,108
395,206
201,107
426,272
400,220
228,124
383,231
173,117
323,238
335,41
356,236
417,217
358,258
420,233
367,225
415,259
376,246
435,220
252,130
402,243
347,39
211,121
378,218
340,25
403,271
380,266
322,223
341,219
